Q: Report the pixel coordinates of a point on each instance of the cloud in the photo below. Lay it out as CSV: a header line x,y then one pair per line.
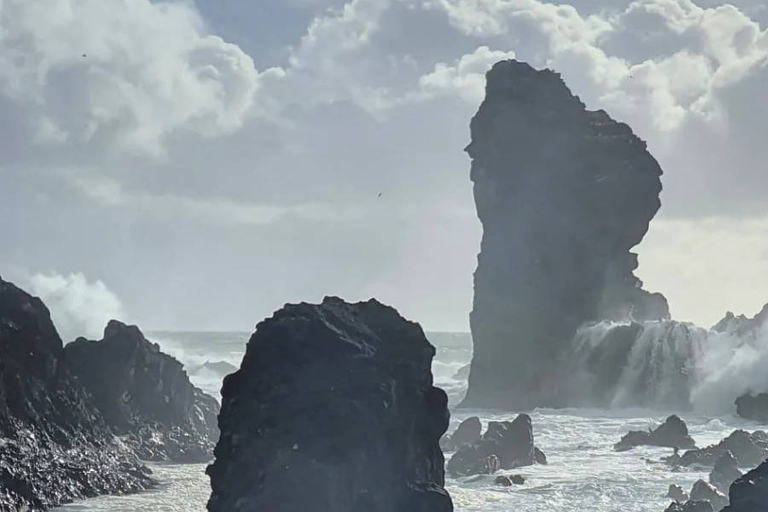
x,y
78,307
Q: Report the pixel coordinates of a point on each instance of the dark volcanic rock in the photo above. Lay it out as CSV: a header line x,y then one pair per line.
x,y
503,481
54,445
332,410
677,494
508,442
145,395
702,491
748,450
563,194
468,432
690,506
221,368
725,472
673,433
753,407
750,492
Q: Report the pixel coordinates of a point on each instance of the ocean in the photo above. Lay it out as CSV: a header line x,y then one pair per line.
x,y
584,473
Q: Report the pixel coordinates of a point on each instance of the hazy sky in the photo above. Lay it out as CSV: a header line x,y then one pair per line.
x,y
196,165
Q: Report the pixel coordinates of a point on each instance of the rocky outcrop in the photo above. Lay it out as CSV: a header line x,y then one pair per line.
x,y
725,472
220,368
750,492
145,396
332,410
505,445
702,491
677,493
509,481
563,194
748,449
690,506
741,325
752,407
673,433
54,445
468,432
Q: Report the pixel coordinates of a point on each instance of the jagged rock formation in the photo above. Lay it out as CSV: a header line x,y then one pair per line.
x,y
749,449
332,410
750,492
563,194
690,506
505,445
741,325
752,407
725,472
702,491
673,433
54,445
468,432
145,395
677,493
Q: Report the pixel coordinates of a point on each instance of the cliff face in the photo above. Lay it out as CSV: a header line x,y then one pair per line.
x,y
145,395
54,445
332,410
563,194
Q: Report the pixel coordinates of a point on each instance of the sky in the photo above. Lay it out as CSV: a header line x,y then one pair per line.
x,y
195,165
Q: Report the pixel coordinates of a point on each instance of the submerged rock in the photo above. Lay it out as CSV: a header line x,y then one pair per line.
x,y
508,442
690,506
673,433
749,493
332,410
563,194
702,491
54,445
146,396
677,494
725,472
749,449
468,432
753,407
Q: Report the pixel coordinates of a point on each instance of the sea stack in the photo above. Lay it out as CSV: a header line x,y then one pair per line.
x,y
563,194
145,395
332,410
54,445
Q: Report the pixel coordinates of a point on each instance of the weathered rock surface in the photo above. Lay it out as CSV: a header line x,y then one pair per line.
x,y
145,396
702,491
673,433
677,493
54,445
468,432
690,506
750,492
725,472
749,449
752,407
332,410
505,445
563,194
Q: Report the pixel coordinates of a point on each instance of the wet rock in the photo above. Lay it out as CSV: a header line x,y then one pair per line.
x,y
677,494
690,506
749,493
517,479
702,491
752,407
221,368
468,432
511,442
725,472
145,396
503,481
673,433
332,410
563,194
54,445
749,449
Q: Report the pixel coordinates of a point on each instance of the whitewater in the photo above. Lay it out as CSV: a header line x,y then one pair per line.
x,y
584,473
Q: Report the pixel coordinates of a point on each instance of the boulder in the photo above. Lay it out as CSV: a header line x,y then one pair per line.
x,y
702,491
503,481
517,479
509,442
690,506
749,449
563,194
752,407
145,395
673,433
725,472
468,432
332,410
54,445
749,493
221,368
677,493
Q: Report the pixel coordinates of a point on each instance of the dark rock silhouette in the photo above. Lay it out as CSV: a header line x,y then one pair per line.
x,y
677,493
503,481
725,472
332,410
54,445
749,449
222,368
145,395
563,194
673,433
752,407
468,432
750,492
505,445
702,491
690,506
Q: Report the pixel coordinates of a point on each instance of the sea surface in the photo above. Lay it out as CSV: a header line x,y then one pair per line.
x,y
583,474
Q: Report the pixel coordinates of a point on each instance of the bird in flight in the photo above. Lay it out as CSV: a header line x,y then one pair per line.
x,y
84,55
379,194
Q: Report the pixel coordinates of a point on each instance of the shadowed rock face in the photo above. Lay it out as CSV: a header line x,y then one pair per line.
x,y
673,433
750,492
563,194
146,396
54,445
332,410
